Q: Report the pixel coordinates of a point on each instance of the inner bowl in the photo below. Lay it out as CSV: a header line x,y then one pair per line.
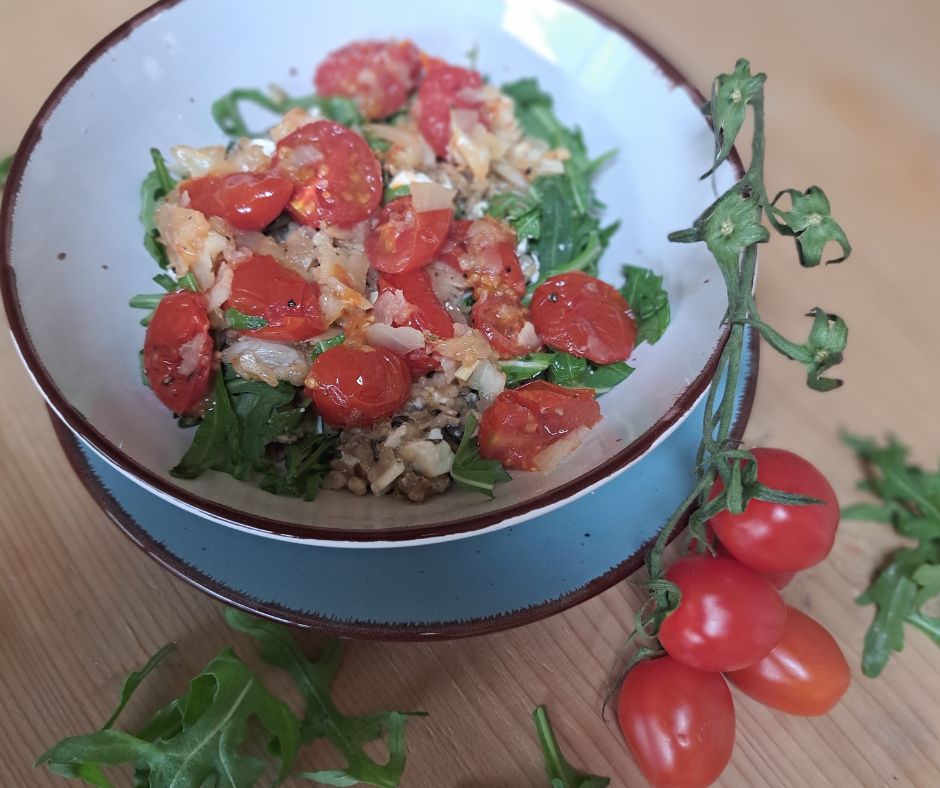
x,y
72,254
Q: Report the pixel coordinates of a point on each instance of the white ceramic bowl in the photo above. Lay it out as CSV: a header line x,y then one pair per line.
x,y
72,253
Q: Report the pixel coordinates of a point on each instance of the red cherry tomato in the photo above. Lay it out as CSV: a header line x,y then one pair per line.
x,y
678,723
523,427
178,351
246,200
421,363
404,240
584,316
805,674
336,176
356,386
502,320
774,537
484,251
778,580
426,313
262,287
377,75
729,617
445,87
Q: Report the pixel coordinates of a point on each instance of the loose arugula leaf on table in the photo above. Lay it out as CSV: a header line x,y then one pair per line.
x,y
321,717
227,112
560,216
644,292
195,739
561,773
5,163
469,469
910,504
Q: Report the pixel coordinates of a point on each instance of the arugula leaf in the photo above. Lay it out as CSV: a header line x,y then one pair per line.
x,y
227,113
561,213
325,344
911,505
519,370
133,681
195,739
471,471
565,370
155,187
649,302
216,435
321,717
5,163
561,773
242,322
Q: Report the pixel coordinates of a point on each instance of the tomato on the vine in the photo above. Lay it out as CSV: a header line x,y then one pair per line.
x,y
774,537
178,351
729,616
678,722
805,674
354,386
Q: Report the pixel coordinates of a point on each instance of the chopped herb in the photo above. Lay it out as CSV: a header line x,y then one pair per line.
x,y
393,194
326,344
146,301
227,112
471,471
910,504
166,281
378,144
188,282
242,322
649,302
566,370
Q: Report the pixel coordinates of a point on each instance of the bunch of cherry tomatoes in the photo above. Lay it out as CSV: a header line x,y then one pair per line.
x,y
676,711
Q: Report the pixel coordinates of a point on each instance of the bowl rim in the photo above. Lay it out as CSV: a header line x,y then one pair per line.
x,y
221,512
367,630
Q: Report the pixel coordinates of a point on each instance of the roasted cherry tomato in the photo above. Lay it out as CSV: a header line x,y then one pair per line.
x,y
729,616
178,351
246,200
445,88
503,320
424,311
532,427
336,176
356,386
404,240
377,75
677,722
262,287
805,674
421,363
584,316
484,251
774,537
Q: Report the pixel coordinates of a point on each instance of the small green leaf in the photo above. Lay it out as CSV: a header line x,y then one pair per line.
x,y
218,431
155,187
5,164
227,112
643,290
810,220
393,194
561,773
471,471
731,94
146,300
893,596
133,681
325,344
242,322
519,370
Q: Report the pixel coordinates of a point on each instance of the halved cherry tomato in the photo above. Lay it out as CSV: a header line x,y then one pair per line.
x,y
336,176
421,363
404,240
484,250
774,537
584,316
729,616
178,351
523,426
355,386
502,320
678,722
426,313
805,674
445,87
378,75
262,287
246,200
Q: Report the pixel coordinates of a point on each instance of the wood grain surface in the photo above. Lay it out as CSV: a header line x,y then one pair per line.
x,y
853,105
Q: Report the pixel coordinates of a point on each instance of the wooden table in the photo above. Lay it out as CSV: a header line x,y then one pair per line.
x,y
854,105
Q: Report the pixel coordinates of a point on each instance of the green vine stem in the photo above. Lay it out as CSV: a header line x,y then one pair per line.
x,y
732,227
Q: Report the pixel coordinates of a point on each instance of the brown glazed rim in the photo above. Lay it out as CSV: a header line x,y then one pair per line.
x,y
359,630
81,426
